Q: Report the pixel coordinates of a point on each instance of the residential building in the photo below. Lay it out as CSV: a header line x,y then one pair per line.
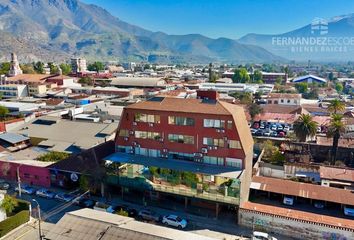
x,y
13,91
138,82
273,77
199,150
78,65
284,99
37,89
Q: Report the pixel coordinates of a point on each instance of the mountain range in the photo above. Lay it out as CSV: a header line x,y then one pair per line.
x,y
55,30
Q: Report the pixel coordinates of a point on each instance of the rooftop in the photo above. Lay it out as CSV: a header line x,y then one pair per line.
x,y
313,77
305,190
138,81
333,173
13,138
29,77
285,95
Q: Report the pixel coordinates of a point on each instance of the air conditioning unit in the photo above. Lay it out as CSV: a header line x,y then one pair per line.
x,y
198,155
151,124
225,139
223,130
131,151
131,132
138,146
215,148
204,150
161,139
210,147
165,150
126,139
218,130
135,143
135,123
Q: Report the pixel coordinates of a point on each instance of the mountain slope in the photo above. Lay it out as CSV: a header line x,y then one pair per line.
x,y
73,28
337,28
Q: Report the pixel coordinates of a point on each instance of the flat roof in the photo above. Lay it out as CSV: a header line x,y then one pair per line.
x,y
79,133
335,173
21,106
299,215
138,81
87,224
13,138
305,190
180,165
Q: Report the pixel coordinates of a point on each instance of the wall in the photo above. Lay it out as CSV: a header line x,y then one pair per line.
x,y
294,228
29,174
269,170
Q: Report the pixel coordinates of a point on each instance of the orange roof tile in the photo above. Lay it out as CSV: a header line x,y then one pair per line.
x,y
29,77
335,173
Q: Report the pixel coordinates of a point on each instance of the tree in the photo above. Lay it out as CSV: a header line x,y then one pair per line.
x,y
84,183
65,68
96,66
3,112
8,204
246,98
5,68
38,67
241,76
257,76
302,87
54,69
27,68
335,106
278,158
254,109
53,156
335,129
86,81
305,127
279,80
339,87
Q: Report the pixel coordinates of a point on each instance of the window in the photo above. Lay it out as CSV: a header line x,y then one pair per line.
x,y
212,123
234,162
123,133
181,156
181,138
180,121
288,100
142,117
27,175
229,124
234,144
282,100
214,142
213,160
147,135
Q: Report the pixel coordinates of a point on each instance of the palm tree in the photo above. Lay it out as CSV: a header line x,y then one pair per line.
x,y
335,129
335,106
304,127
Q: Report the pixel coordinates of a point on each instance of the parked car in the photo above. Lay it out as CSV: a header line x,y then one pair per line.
x,y
131,211
26,189
267,133
262,236
175,221
253,131
259,132
273,127
288,200
43,192
86,203
274,134
149,215
65,197
4,185
281,134
100,206
319,204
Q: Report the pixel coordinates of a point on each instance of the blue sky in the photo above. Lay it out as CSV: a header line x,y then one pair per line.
x,y
223,18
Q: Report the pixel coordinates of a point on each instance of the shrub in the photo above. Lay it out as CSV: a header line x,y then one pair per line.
x,y
121,212
53,156
13,222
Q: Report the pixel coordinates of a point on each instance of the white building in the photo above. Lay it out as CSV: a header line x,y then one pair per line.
x,y
284,99
78,65
13,91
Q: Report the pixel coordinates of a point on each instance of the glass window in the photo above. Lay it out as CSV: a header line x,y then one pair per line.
x,y
214,142
234,144
213,160
142,117
123,133
181,121
229,124
213,123
181,138
233,162
147,135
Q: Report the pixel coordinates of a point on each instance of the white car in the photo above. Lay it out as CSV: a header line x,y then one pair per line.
x,y
175,221
288,200
45,193
262,236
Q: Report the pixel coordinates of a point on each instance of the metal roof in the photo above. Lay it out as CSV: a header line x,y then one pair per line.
x,y
13,138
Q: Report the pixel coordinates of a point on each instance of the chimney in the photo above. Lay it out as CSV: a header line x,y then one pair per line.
x,y
207,94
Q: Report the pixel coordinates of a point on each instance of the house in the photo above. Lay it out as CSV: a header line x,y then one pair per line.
x,y
337,177
309,79
284,99
199,150
13,91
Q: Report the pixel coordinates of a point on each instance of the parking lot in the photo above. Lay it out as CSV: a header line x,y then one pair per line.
x,y
271,129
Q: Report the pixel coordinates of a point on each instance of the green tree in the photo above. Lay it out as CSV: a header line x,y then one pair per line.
x,y
84,183
279,80
65,68
257,76
302,87
8,204
305,127
86,81
27,68
54,69
38,67
246,98
335,106
53,156
277,158
4,68
96,66
339,87
3,112
241,76
335,129
254,109
121,212
269,149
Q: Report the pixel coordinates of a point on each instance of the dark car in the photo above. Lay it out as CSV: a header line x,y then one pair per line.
x,y
131,211
259,133
86,203
4,185
149,215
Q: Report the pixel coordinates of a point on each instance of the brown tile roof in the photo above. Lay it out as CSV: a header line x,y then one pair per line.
x,y
305,190
54,101
334,173
299,215
343,142
29,77
274,117
181,105
278,108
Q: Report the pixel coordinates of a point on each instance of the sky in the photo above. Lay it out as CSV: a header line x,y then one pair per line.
x,y
223,18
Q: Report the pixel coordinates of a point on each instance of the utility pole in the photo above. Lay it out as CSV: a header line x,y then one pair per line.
x,y
39,219
19,181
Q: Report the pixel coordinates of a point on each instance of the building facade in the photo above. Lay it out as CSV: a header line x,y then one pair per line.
x,y
197,149
78,65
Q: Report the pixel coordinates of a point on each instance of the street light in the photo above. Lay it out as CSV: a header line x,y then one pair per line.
x,y
39,218
19,180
